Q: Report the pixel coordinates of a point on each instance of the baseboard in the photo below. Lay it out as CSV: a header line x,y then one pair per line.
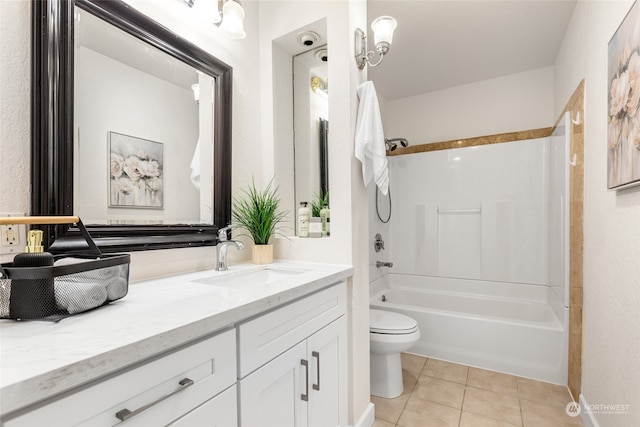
x,y
368,417
587,416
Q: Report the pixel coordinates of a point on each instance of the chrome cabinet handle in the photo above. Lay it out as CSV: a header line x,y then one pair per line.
x,y
316,354
125,414
305,395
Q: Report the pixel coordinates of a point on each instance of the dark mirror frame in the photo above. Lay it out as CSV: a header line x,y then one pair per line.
x,y
52,127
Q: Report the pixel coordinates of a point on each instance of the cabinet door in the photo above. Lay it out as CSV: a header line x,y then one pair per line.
x,y
221,411
327,352
272,395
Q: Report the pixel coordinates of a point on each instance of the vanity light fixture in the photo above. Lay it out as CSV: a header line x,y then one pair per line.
x,y
227,14
383,28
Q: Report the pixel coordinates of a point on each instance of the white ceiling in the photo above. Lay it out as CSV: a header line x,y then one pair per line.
x,y
440,44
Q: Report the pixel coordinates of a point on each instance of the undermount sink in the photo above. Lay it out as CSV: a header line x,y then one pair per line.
x,y
249,279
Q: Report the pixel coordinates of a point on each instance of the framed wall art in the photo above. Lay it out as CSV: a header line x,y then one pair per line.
x,y
135,172
623,113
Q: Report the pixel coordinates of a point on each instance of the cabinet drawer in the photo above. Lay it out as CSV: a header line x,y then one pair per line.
x,y
221,411
265,337
178,382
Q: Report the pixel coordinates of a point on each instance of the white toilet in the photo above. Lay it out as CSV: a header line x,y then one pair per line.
x,y
390,334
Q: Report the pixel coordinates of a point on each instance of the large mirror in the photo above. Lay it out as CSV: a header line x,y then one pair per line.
x,y
301,114
133,131
311,126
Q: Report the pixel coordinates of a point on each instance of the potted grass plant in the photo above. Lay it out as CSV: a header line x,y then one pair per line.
x,y
258,214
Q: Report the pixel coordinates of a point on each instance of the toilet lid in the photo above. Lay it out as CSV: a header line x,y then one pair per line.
x,y
388,322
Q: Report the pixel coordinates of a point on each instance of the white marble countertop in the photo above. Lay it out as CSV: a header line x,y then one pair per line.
x,y
40,359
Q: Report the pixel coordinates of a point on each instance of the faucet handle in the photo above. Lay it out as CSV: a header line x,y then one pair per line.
x,y
378,243
222,233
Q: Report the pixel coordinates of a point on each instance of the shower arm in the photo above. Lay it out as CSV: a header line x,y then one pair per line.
x,y
402,141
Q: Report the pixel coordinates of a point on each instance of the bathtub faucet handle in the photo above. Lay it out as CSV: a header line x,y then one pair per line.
x,y
384,264
378,244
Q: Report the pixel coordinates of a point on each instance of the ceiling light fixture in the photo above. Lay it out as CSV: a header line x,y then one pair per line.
x,y
383,28
227,14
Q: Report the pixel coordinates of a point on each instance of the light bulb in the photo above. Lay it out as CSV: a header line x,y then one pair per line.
x,y
383,28
232,20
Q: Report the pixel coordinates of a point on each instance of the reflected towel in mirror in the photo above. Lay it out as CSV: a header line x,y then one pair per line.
x,y
195,166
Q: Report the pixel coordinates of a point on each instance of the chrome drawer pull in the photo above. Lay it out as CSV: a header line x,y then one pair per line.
x,y
125,414
316,354
305,396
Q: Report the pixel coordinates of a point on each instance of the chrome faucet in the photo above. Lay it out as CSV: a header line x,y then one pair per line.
x,y
223,246
383,264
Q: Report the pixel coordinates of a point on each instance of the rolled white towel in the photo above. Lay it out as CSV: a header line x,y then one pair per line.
x,y
107,276
70,260
76,297
106,273
117,289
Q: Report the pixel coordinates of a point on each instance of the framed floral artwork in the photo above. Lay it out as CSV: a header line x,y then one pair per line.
x,y
623,113
135,172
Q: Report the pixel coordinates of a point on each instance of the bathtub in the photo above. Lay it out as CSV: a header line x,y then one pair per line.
x,y
512,328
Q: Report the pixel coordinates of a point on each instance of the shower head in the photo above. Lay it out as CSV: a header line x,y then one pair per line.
x,y
391,142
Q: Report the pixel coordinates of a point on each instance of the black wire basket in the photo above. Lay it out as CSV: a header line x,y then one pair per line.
x,y
73,284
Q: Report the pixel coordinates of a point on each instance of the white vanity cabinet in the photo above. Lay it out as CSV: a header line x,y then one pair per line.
x,y
184,386
276,356
292,364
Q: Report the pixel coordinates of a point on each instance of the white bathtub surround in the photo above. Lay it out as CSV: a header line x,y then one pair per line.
x,y
506,327
40,359
479,240
492,212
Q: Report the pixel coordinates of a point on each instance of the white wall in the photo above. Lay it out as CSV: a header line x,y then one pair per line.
x,y
506,104
611,311
15,102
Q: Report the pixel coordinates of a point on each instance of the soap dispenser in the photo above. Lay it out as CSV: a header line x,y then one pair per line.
x,y
326,220
32,298
304,214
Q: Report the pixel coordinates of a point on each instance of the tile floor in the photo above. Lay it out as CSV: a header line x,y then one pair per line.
x,y
443,394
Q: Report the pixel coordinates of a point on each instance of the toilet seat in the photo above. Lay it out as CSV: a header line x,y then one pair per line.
x,y
390,323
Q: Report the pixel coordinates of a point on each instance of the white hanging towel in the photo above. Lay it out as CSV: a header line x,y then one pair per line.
x,y
195,166
370,148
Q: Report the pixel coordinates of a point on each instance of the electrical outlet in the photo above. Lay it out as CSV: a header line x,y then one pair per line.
x,y
13,237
